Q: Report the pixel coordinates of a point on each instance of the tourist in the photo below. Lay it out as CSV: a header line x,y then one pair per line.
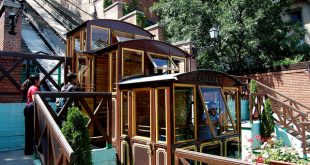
x,y
34,81
205,129
71,86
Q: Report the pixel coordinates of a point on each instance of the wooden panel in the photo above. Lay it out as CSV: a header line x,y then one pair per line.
x,y
141,154
102,74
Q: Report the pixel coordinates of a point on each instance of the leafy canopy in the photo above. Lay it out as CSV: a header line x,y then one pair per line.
x,y
252,33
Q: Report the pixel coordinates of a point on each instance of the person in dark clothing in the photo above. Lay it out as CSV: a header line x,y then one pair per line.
x,y
71,86
29,114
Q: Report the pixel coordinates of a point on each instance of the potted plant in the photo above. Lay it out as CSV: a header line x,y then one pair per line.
x,y
267,121
75,131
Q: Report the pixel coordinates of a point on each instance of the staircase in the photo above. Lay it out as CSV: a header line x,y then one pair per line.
x,y
290,115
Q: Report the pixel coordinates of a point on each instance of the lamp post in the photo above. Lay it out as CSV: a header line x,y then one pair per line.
x,y
13,16
214,32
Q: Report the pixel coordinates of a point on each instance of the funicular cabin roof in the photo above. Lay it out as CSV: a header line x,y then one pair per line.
x,y
112,24
153,46
201,77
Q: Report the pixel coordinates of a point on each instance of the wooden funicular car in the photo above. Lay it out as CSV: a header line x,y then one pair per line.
x,y
160,103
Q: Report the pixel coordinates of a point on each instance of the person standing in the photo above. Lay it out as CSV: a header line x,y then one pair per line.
x,y
34,81
71,86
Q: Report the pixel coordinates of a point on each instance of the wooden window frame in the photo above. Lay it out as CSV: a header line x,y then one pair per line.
x,y
122,111
166,109
237,105
195,111
111,71
91,35
174,68
185,63
142,59
207,114
134,111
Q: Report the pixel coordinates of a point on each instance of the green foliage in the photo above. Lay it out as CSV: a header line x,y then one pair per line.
x,y
253,86
274,150
267,122
288,61
142,20
75,131
107,3
252,34
130,7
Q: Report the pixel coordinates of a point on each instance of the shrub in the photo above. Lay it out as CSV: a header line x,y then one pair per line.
x,y
107,3
253,86
267,122
76,133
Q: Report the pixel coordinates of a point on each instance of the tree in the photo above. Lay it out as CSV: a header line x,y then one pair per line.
x,y
252,34
76,132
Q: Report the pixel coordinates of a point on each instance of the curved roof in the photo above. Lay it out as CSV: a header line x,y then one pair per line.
x,y
199,77
155,46
115,25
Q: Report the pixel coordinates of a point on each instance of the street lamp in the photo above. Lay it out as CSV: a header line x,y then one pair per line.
x,y
13,16
214,32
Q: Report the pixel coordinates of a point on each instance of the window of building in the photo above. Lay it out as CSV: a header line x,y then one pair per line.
x,y
84,36
162,63
216,118
99,37
161,109
132,62
142,113
180,64
296,16
125,110
184,112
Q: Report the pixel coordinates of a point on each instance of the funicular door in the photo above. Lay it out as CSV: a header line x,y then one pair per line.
x,y
148,123
141,143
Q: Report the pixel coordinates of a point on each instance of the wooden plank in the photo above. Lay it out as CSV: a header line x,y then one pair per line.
x,y
208,158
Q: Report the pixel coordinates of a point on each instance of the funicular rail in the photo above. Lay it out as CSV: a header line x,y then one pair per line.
x,y
181,157
48,137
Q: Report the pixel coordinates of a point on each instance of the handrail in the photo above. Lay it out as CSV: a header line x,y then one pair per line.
x,y
278,93
291,107
68,151
206,158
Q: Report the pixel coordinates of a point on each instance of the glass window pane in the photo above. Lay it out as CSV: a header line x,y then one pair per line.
x,y
216,113
231,96
142,113
180,63
77,43
184,113
132,63
99,38
124,112
161,114
84,39
118,36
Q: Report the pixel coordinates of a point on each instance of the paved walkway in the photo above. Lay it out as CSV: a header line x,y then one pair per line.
x,y
15,158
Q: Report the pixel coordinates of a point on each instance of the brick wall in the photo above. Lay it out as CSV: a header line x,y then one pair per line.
x,y
9,42
292,83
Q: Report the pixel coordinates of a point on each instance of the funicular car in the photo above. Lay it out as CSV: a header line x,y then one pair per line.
x,y
160,102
